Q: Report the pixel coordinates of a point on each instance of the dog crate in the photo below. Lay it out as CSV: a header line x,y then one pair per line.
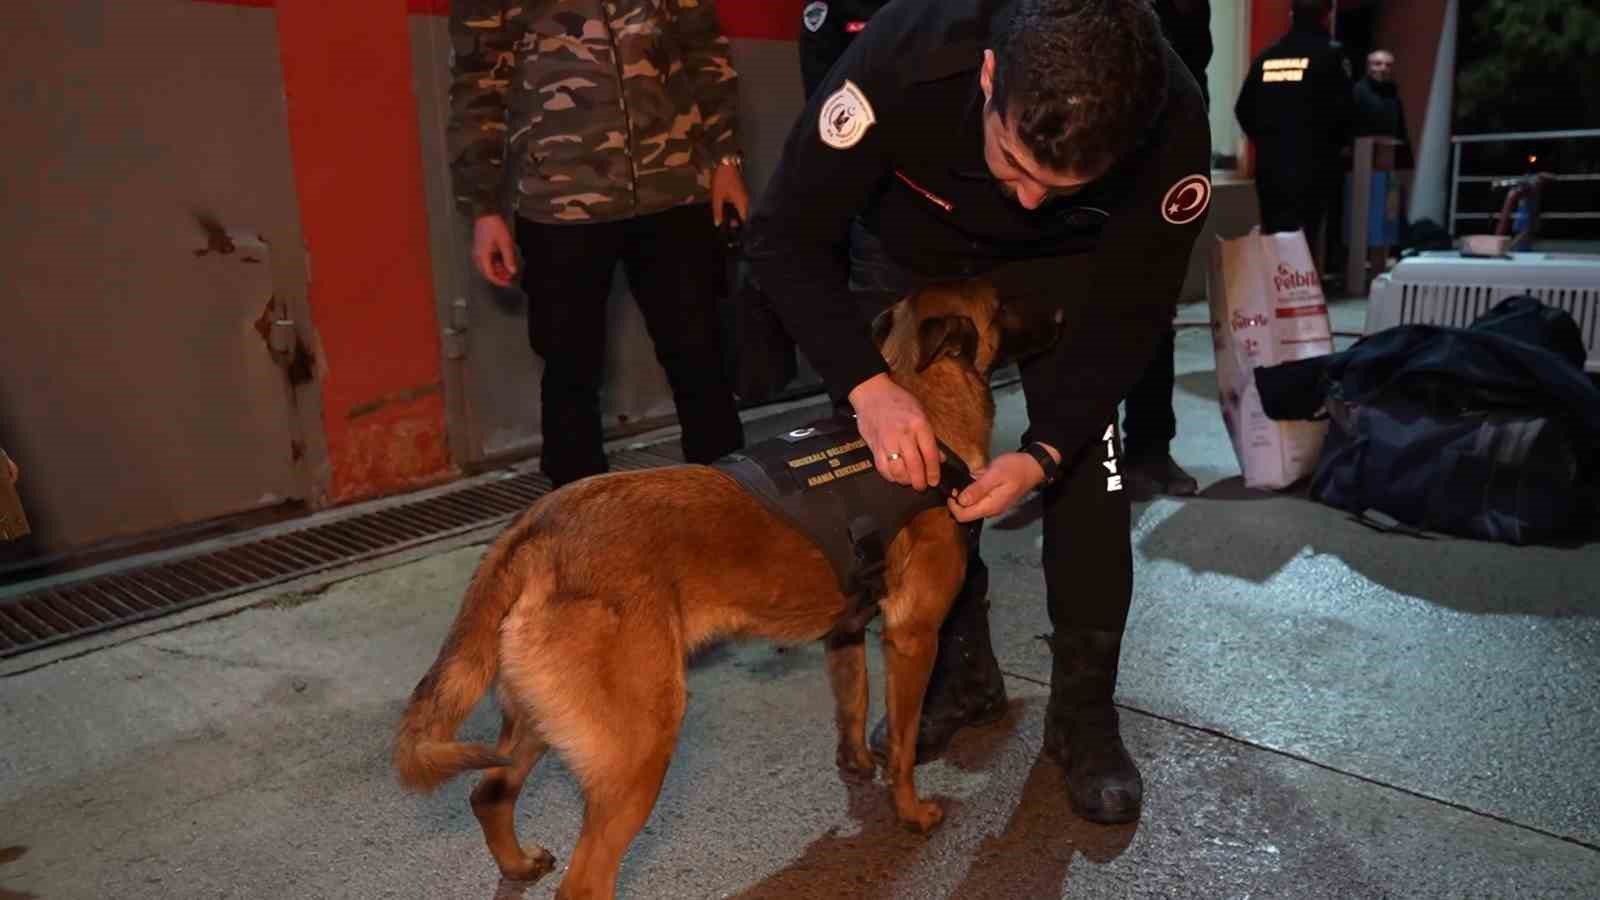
x,y
1446,288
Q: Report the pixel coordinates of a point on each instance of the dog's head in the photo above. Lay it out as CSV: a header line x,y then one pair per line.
x,y
966,322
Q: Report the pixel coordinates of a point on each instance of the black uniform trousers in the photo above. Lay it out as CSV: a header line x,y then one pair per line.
x,y
1148,419
1088,550
674,271
1294,194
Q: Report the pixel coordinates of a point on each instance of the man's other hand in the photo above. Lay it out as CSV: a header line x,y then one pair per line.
x,y
997,488
494,253
727,186
896,429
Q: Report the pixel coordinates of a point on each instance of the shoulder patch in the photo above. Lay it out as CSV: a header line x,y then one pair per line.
x,y
815,14
1187,200
846,115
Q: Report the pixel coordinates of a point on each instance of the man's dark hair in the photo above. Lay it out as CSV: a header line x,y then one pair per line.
x,y
1080,80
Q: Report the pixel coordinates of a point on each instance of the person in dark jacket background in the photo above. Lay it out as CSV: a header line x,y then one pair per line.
x,y
1148,422
1297,106
1378,110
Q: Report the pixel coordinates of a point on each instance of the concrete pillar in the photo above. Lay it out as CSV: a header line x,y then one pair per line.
x,y
1430,191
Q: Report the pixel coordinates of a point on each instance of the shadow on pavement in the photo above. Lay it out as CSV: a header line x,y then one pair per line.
x,y
1257,540
1033,855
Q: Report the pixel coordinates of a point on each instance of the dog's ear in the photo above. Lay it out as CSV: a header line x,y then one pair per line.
x,y
882,324
1026,330
947,336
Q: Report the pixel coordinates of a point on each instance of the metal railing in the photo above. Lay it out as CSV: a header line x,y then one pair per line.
x,y
1457,179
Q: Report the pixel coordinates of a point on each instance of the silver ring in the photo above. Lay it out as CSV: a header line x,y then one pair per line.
x,y
893,457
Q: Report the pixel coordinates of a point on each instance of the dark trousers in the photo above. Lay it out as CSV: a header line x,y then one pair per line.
x,y
674,272
1088,551
1148,419
1294,198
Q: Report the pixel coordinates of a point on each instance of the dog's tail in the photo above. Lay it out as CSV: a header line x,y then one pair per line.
x,y
426,753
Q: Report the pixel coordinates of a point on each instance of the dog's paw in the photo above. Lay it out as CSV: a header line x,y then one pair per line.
x,y
856,763
925,816
531,867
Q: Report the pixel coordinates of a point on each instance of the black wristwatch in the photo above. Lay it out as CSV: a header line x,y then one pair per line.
x,y
1052,469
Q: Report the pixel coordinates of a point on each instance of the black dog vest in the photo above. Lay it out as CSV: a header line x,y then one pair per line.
x,y
820,479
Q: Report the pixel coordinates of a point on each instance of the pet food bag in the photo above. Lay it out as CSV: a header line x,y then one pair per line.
x,y
1267,308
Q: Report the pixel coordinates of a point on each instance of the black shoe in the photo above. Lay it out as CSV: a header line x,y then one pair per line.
x,y
1081,729
966,688
1149,477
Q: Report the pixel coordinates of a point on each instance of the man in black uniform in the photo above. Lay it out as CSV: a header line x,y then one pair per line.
x,y
1297,106
1060,149
827,30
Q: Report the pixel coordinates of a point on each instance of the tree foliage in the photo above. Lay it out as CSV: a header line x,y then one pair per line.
x,y
1528,65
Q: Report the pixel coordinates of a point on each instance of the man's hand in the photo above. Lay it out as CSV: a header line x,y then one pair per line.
x,y
896,429
727,186
494,253
1008,478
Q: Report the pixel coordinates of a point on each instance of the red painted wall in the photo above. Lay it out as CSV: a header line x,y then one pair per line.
x,y
357,154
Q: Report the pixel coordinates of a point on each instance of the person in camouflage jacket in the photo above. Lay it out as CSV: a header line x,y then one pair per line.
x,y
606,131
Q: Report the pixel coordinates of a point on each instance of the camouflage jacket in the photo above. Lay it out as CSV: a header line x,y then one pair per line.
x,y
587,110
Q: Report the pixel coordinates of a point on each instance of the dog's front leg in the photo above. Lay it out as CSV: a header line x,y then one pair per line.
x,y
847,673
909,649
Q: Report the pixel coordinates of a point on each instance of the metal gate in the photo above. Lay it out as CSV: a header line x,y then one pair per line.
x,y
149,221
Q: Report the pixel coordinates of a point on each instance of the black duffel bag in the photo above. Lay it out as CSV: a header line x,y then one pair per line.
x,y
1489,432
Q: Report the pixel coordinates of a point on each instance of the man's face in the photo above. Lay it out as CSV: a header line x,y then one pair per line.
x,y
1016,172
1380,67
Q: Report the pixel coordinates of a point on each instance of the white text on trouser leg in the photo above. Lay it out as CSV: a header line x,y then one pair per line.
x,y
1113,477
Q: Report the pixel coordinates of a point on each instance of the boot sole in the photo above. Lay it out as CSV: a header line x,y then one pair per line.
x,y
1100,817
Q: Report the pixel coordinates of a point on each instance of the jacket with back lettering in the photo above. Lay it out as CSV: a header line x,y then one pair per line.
x,y
587,111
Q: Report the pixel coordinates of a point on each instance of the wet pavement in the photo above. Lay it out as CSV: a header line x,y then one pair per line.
x,y
1319,711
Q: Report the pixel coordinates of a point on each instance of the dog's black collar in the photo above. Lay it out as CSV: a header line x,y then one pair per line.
x,y
954,476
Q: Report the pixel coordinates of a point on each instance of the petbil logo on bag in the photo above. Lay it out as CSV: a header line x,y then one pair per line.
x,y
1241,321
1287,279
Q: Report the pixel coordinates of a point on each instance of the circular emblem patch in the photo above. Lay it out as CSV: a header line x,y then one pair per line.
x,y
1187,200
815,14
846,115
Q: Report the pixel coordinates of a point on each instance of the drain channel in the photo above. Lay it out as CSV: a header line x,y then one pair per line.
x,y
75,609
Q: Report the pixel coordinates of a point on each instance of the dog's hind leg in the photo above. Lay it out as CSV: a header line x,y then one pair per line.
x,y
847,673
622,772
494,800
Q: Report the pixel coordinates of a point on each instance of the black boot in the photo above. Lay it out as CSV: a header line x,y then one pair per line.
x,y
1081,730
966,688
1148,477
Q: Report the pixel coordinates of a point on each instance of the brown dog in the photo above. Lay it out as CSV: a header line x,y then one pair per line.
x,y
583,612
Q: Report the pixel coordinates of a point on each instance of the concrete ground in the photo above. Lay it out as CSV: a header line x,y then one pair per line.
x,y
1319,710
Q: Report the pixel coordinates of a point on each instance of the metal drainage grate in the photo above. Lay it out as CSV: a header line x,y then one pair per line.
x,y
52,615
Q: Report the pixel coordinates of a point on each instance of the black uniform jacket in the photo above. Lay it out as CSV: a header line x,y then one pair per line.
x,y
1297,103
895,136
827,27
